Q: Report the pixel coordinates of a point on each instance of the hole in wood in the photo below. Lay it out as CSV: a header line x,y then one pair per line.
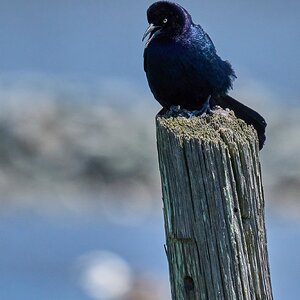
x,y
188,283
235,210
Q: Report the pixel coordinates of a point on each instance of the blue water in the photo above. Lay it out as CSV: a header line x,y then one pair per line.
x,y
284,249
38,253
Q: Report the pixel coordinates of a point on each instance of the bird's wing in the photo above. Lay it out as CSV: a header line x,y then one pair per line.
x,y
204,40
203,67
195,67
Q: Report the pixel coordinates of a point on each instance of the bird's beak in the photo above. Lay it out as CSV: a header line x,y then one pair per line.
x,y
153,31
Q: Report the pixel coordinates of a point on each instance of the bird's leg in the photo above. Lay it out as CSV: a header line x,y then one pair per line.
x,y
205,107
174,109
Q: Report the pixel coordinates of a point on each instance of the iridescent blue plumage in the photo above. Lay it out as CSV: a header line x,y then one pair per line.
x,y
183,68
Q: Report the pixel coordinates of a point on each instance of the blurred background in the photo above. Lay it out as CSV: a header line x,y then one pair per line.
x,y
81,212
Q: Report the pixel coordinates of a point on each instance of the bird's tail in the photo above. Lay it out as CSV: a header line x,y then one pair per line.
x,y
250,116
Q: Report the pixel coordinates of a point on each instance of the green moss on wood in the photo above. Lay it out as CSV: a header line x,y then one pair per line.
x,y
221,125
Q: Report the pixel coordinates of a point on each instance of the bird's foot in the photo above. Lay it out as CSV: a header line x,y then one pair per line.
x,y
174,109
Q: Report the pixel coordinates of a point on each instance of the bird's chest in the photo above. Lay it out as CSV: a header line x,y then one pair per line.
x,y
170,73
163,63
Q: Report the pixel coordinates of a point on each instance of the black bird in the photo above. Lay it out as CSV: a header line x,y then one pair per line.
x,y
183,68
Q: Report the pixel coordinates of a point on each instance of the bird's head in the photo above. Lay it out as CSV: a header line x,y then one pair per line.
x,y
166,19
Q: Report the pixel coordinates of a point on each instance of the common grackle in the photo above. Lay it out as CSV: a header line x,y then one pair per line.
x,y
183,68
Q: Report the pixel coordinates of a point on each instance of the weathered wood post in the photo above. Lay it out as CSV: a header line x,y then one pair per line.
x,y
213,208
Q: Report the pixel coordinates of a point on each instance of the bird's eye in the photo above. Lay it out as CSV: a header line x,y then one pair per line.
x,y
165,21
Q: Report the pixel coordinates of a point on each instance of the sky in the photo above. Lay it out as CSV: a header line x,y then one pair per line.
x,y
91,39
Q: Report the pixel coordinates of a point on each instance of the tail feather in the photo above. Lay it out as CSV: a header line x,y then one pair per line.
x,y
250,116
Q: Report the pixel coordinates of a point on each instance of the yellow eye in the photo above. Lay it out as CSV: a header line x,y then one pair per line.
x,y
165,21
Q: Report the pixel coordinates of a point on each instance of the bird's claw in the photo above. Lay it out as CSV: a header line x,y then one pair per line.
x,y
175,109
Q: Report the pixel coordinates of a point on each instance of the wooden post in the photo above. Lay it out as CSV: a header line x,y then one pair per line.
x,y
213,208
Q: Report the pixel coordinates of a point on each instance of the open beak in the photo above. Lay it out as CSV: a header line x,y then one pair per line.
x,y
152,31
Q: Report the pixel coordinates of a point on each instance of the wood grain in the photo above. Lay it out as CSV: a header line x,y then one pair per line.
x,y
213,208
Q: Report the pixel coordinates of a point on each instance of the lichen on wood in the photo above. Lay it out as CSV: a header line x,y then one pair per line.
x,y
213,207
